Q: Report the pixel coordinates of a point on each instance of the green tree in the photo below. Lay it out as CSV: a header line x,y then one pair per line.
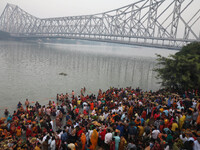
x,y
182,70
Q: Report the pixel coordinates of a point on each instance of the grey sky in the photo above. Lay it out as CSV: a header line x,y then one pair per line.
x,y
59,8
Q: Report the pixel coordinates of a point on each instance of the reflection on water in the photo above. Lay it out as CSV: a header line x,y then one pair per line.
x,y
31,70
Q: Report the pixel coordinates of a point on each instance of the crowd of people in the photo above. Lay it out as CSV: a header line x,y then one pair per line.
x,y
115,119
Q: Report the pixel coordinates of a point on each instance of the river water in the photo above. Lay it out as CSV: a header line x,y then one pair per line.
x,y
31,70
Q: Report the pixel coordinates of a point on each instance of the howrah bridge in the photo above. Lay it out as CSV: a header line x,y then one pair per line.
x,y
156,23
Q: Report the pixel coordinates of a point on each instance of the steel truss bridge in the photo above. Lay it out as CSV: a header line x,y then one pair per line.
x,y
157,23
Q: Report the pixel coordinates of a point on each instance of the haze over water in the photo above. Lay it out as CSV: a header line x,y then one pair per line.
x,y
31,70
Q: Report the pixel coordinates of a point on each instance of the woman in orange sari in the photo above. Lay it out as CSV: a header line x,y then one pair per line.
x,y
18,131
12,128
130,112
94,139
122,143
83,141
4,133
198,119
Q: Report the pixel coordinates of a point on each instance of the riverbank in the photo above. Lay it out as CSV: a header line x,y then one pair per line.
x,y
116,118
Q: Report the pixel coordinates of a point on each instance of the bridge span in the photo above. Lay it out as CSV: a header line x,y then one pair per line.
x,y
157,23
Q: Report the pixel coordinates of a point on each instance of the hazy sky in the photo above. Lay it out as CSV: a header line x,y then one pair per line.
x,y
59,8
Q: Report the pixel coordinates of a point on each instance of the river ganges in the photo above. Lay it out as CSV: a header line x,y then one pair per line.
x,y
32,69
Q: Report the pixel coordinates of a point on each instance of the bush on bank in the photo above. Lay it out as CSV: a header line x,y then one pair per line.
x,y
181,71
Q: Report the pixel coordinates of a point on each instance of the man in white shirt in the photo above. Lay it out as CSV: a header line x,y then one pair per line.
x,y
140,103
57,112
44,138
183,138
194,103
90,133
51,122
101,118
120,108
59,134
76,124
113,110
155,133
108,138
53,143
123,116
105,115
49,141
85,104
171,112
196,145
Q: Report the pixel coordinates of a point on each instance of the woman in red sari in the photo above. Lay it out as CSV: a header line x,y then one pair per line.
x,y
91,106
28,132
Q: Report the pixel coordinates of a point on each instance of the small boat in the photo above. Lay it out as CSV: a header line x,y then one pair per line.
x,y
63,74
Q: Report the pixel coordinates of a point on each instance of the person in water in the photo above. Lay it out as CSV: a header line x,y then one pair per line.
x,y
27,103
6,112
